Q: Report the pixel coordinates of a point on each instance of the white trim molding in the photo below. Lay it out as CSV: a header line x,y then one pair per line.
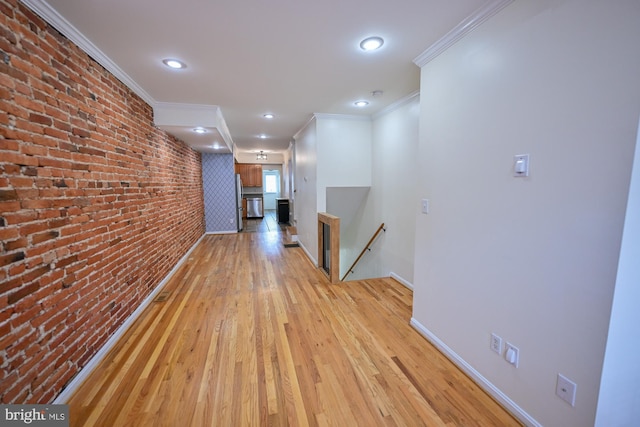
x,y
57,21
308,254
329,116
470,23
476,376
93,363
399,103
400,280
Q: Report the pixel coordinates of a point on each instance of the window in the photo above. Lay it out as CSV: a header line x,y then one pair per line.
x,y
270,184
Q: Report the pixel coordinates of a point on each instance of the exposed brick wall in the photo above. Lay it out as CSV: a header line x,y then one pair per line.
x,y
96,206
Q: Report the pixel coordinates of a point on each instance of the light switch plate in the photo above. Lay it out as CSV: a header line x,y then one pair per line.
x,y
512,352
521,165
425,206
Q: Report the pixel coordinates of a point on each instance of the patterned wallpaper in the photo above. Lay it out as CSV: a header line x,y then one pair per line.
x,y
219,186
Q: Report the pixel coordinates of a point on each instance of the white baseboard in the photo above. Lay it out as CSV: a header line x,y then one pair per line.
x,y
93,363
487,386
222,232
403,282
311,258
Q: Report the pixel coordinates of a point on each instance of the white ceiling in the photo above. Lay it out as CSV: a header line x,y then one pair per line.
x,y
292,58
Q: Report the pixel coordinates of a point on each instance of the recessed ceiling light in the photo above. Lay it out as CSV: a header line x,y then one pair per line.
x,y
200,130
361,103
263,136
371,43
268,116
174,63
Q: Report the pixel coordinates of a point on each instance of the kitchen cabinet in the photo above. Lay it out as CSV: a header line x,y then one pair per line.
x,y
244,208
251,174
256,175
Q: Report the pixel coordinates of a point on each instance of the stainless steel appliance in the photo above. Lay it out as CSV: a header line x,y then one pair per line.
x,y
239,200
254,207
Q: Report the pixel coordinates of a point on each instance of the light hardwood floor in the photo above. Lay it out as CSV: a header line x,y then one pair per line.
x,y
252,335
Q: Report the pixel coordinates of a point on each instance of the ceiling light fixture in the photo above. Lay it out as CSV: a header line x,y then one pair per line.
x,y
268,116
200,130
261,156
371,43
174,63
361,103
263,136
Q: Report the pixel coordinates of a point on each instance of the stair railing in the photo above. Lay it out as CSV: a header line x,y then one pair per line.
x,y
366,248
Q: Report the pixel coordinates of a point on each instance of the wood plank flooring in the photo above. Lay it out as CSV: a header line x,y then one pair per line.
x,y
262,225
252,335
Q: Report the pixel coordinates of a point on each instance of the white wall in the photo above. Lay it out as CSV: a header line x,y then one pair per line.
x,y
395,177
619,402
351,205
306,200
344,175
532,259
344,153
391,199
353,153
288,173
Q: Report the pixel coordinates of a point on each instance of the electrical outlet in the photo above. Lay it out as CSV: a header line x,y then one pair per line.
x,y
566,390
512,355
496,343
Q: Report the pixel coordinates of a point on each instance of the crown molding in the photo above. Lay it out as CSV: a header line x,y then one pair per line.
x,y
462,29
57,21
306,124
188,107
399,103
328,116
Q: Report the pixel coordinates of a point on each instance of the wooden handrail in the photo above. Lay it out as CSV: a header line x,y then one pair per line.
x,y
368,247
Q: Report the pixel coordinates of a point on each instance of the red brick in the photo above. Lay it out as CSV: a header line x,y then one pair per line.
x,y
33,150
14,244
43,237
15,391
22,292
7,144
7,195
7,259
33,227
19,159
21,182
36,204
40,119
85,167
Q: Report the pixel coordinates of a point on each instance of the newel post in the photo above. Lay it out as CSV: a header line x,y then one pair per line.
x,y
329,246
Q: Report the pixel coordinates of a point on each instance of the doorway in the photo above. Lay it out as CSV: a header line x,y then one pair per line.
x,y
271,188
